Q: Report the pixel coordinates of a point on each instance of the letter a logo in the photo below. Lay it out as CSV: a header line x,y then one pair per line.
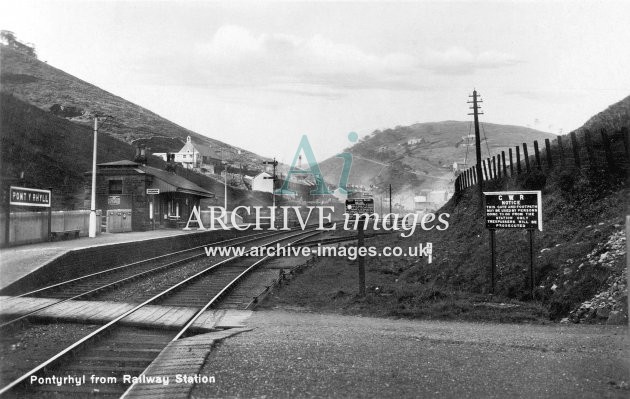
x,y
197,219
313,169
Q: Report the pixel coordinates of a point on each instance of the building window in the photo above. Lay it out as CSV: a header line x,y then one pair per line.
x,y
115,187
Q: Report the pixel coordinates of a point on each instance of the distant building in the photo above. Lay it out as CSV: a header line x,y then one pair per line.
x,y
429,201
415,141
340,194
260,183
459,166
189,156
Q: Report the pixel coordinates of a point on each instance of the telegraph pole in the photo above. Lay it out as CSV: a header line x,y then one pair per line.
x,y
390,198
273,177
92,225
476,114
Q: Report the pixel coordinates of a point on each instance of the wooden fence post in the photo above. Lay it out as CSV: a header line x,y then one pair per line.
x,y
504,167
518,160
537,155
561,151
526,156
626,141
610,160
511,163
576,150
499,165
588,143
548,150
494,166
485,172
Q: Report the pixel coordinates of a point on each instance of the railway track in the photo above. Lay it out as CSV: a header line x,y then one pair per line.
x,y
94,284
113,350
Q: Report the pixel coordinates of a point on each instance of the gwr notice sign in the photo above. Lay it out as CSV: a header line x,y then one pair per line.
x,y
514,210
23,196
358,206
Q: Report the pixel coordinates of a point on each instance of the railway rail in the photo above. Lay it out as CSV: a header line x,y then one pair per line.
x,y
95,283
113,349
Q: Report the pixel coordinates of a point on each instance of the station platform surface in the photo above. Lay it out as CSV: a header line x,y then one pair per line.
x,y
17,262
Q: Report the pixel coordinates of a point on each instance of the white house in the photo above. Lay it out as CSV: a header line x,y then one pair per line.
x,y
259,183
340,193
415,141
189,156
459,166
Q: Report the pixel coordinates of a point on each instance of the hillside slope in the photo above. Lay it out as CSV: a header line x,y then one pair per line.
x,y
42,85
580,256
385,157
51,151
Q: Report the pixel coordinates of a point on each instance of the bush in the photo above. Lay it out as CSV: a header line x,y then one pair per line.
x,y
566,181
534,180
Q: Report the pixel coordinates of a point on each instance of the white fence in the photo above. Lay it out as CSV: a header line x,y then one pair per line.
x,y
32,227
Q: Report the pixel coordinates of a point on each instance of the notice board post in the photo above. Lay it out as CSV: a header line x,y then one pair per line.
x,y
513,210
360,208
152,192
531,263
493,262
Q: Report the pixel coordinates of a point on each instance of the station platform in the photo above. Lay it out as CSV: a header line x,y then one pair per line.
x,y
20,261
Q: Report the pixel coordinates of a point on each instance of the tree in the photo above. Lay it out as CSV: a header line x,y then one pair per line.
x,y
8,37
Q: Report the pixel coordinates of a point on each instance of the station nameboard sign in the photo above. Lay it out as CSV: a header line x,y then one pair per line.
x,y
358,206
153,191
514,210
23,196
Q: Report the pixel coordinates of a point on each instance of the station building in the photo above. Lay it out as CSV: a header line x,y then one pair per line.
x,y
150,197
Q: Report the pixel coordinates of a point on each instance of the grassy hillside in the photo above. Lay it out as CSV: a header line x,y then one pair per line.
x,y
42,85
385,157
580,257
51,151
54,153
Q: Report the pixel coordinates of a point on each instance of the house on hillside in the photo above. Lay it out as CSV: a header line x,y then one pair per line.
x,y
193,156
430,200
459,167
260,182
415,141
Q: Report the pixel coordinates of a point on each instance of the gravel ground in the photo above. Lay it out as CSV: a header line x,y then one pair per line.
x,y
298,354
23,349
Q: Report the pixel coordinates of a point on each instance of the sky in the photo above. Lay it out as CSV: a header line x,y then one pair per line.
x,y
259,75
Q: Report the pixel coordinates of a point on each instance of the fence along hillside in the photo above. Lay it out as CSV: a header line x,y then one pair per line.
x,y
604,152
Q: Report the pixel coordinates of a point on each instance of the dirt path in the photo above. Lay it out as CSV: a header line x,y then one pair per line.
x,y
296,354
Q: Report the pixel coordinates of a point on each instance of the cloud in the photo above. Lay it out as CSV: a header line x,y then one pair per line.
x,y
240,57
313,66
459,61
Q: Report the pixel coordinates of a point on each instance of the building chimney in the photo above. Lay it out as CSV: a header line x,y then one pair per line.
x,y
141,155
170,162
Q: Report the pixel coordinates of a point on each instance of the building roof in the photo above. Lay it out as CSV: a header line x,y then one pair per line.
x,y
167,182
190,147
170,182
123,162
